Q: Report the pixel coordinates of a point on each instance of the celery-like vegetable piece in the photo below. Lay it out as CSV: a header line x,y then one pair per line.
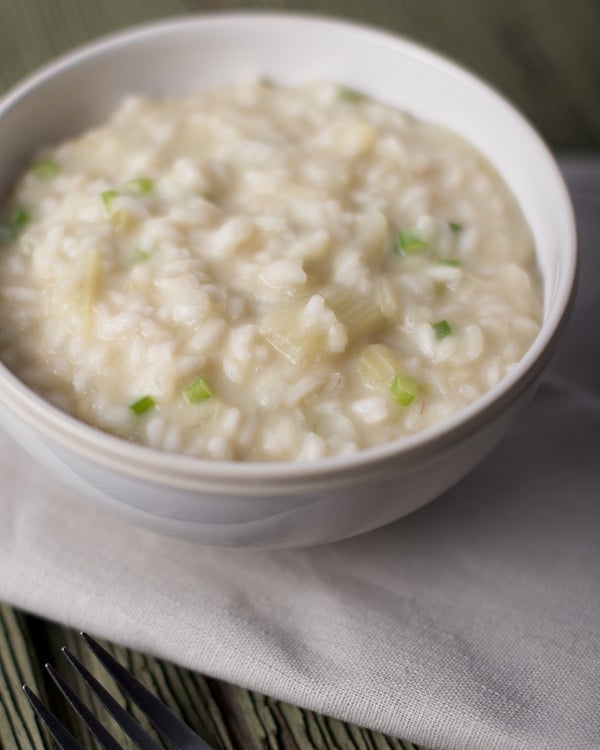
x,y
140,185
91,281
379,367
450,262
442,329
142,405
283,329
212,414
197,391
45,169
358,314
385,299
354,138
455,226
108,197
376,366
372,236
77,294
286,331
408,242
404,389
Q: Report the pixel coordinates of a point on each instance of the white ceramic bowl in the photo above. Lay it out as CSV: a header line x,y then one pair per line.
x,y
284,504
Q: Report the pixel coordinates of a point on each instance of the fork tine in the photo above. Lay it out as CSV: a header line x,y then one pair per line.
x,y
62,737
88,718
127,722
161,716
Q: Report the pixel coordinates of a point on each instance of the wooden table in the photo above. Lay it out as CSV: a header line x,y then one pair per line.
x,y
542,54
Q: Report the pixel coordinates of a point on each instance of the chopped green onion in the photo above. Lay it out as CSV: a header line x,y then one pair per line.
x,y
143,405
140,185
403,389
450,261
197,391
139,255
349,95
455,226
12,223
442,329
408,242
18,218
108,197
45,169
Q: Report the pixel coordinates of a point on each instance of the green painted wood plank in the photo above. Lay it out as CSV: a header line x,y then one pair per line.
x,y
542,54
229,717
18,664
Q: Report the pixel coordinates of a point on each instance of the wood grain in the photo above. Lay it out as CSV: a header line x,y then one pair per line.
x,y
228,717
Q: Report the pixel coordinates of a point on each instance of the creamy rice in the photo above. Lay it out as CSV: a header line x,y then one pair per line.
x,y
264,273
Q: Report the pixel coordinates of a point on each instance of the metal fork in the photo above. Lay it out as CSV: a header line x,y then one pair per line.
x,y
161,717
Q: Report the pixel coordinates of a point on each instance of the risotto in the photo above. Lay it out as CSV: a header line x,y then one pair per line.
x,y
264,273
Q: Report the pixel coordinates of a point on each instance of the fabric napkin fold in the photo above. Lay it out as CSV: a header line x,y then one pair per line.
x,y
473,624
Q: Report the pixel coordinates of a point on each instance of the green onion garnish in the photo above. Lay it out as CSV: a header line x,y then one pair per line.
x,y
139,255
108,197
197,391
450,261
455,226
140,185
349,95
408,242
442,329
12,223
18,218
45,169
142,405
403,389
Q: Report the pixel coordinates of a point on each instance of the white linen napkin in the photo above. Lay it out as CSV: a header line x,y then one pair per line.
x,y
473,624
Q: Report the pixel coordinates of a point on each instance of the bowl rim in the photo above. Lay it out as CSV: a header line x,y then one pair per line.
x,y
252,477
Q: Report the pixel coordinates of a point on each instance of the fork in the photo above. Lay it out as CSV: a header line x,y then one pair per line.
x,y
161,717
